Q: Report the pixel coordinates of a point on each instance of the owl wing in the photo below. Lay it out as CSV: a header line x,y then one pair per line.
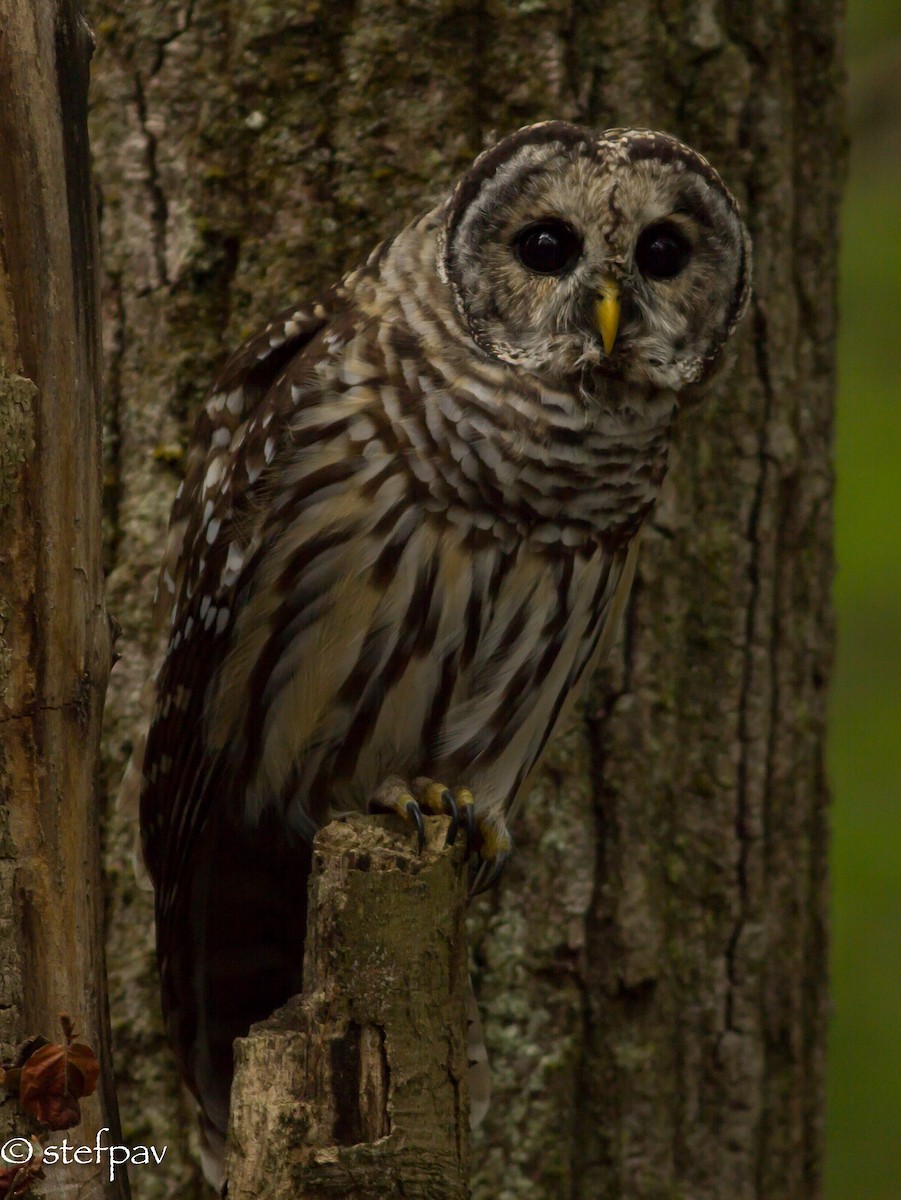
x,y
220,431
234,433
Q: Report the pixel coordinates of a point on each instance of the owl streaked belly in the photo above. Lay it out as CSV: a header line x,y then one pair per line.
x,y
417,692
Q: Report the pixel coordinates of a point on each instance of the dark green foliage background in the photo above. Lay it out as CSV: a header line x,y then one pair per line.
x,y
864,1127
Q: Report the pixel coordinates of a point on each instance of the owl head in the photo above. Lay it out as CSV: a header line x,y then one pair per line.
x,y
575,253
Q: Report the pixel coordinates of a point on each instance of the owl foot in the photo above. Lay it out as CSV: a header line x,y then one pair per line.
x,y
488,838
411,800
435,798
495,844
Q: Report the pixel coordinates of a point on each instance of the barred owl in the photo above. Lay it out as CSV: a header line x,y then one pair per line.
x,y
408,523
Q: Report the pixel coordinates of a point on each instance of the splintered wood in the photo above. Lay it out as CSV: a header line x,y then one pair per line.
x,y
358,1088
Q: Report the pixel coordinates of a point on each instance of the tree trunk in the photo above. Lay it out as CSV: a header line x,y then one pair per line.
x,y
652,968
54,637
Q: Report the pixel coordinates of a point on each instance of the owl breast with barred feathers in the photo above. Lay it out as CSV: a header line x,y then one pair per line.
x,y
407,528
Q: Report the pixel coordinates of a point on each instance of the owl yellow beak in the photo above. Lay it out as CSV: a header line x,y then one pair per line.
x,y
606,313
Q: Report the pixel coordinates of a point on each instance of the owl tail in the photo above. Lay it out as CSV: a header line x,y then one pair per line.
x,y
212,1151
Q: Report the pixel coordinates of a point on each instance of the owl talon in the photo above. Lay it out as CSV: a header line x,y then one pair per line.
x,y
466,807
414,813
450,807
494,853
393,796
487,875
436,798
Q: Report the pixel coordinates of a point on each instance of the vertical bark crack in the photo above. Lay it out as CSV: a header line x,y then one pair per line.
x,y
748,678
113,448
159,208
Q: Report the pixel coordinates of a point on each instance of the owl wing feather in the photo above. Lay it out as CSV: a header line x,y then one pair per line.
x,y
240,388
195,596
242,384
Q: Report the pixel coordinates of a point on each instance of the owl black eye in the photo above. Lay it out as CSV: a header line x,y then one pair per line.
x,y
548,247
662,252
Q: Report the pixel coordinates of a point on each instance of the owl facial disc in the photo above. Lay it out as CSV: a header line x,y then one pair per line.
x,y
620,255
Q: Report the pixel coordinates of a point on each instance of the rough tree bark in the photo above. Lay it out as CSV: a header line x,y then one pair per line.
x,y
358,1089
55,644
652,968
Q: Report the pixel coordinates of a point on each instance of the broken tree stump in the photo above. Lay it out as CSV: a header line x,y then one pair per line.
x,y
358,1088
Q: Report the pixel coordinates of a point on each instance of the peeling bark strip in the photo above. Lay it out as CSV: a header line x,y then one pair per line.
x,y
54,638
652,965
358,1089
